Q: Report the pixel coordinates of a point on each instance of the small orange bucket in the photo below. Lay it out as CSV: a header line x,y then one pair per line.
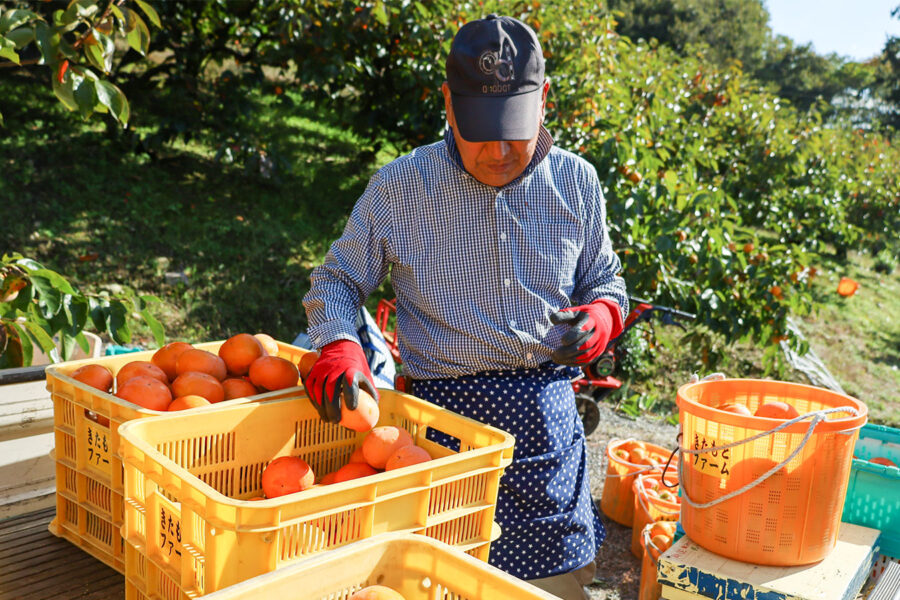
x,y
651,507
617,501
650,588
764,490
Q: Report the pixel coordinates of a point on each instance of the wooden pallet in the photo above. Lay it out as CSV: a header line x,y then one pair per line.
x,y
689,572
36,565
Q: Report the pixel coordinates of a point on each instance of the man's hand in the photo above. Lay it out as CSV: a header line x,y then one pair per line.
x,y
340,368
590,328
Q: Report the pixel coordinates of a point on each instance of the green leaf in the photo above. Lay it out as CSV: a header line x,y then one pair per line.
x,y
85,97
99,314
82,342
150,12
64,92
15,17
112,98
56,280
139,37
27,347
49,297
118,327
40,336
76,310
155,326
117,12
21,36
8,50
1,119
95,56
129,19
380,13
109,50
44,39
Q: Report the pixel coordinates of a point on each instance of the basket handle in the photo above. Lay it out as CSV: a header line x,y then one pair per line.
x,y
646,508
817,417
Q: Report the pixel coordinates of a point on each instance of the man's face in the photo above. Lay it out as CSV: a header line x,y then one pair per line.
x,y
493,163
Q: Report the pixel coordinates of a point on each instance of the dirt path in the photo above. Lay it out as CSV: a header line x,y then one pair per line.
x,y
618,571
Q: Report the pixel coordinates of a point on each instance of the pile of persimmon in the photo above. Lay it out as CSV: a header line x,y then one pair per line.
x,y
179,376
638,453
661,534
773,409
384,448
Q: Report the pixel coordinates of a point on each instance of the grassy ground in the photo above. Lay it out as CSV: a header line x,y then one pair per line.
x,y
230,250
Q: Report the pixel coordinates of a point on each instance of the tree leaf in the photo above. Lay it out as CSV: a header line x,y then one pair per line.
x,y
380,13
112,98
15,17
118,326
43,339
98,311
76,310
82,342
155,326
44,39
48,296
150,12
21,36
139,37
56,280
95,56
23,353
65,93
8,50
86,97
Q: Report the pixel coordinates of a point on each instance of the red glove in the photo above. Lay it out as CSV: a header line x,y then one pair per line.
x,y
341,367
590,328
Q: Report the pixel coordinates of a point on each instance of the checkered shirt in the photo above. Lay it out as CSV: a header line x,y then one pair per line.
x,y
477,270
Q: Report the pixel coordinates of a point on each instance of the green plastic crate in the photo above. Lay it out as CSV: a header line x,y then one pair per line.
x,y
873,495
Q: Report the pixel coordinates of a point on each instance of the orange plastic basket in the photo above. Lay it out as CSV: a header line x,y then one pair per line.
x,y
650,588
617,501
189,479
649,509
774,496
89,474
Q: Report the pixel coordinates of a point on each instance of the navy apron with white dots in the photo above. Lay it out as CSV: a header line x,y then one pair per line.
x,y
549,522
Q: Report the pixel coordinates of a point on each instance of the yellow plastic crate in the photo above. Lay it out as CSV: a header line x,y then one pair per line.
x,y
418,567
89,474
188,481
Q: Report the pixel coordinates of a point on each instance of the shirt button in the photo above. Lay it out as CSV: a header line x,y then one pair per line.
x,y
502,236
529,356
512,323
506,282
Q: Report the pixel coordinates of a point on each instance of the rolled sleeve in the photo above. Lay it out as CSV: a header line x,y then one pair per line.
x,y
598,267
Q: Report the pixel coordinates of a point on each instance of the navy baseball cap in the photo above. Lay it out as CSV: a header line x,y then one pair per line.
x,y
495,72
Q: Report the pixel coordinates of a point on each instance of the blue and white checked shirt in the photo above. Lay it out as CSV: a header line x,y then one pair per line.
x,y
477,270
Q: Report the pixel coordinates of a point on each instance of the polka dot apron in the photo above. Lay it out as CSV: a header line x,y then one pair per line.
x,y
549,522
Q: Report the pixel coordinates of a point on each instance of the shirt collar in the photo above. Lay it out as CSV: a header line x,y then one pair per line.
x,y
544,143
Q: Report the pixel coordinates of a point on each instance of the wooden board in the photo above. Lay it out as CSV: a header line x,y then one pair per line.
x,y
36,565
687,571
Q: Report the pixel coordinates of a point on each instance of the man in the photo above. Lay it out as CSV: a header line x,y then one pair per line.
x,y
506,282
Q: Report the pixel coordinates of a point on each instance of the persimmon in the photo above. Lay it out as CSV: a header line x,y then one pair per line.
x,y
239,351
776,409
662,542
96,376
165,357
621,453
382,442
202,361
357,456
268,343
196,383
327,479
879,460
238,387
306,362
376,592
353,471
273,373
186,402
140,368
287,475
665,528
736,408
638,455
364,416
407,456
145,391
629,445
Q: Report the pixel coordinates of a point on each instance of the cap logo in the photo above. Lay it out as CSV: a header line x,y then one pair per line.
x,y
499,65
